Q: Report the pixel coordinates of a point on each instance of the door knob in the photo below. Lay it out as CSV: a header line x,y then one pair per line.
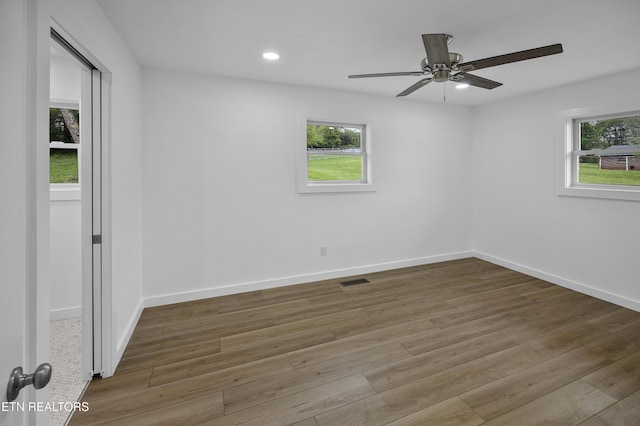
x,y
39,379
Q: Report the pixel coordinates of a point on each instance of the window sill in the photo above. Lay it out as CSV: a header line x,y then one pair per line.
x,y
64,192
318,188
602,191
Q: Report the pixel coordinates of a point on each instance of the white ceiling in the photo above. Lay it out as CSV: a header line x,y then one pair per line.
x,y
323,41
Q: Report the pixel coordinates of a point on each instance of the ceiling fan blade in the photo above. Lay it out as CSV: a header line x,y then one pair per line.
x,y
388,74
414,87
523,55
474,80
437,50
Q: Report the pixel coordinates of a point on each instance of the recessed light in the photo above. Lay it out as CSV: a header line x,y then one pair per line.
x,y
462,86
271,56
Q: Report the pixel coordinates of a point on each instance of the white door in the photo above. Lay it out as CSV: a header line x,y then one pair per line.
x,y
13,204
95,227
94,178
92,182
23,334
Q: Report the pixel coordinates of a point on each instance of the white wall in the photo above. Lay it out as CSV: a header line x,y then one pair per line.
x,y
588,244
87,23
65,208
64,78
220,206
66,258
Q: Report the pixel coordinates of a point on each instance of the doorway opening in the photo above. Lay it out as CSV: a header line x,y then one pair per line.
x,y
77,296
65,230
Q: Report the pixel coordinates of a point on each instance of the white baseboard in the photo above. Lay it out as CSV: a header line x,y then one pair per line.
x,y
563,282
128,332
65,313
298,279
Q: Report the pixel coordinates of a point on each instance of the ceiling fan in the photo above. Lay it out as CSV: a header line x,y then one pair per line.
x,y
440,65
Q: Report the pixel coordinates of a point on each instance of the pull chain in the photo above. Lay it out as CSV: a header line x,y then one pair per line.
x,y
444,93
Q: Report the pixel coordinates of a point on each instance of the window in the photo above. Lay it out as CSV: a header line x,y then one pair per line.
x,y
601,152
608,150
64,140
337,157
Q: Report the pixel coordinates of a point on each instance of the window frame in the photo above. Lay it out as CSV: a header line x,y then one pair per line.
x,y
304,185
66,191
569,151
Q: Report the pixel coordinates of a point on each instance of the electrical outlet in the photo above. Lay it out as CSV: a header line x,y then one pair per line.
x,y
323,250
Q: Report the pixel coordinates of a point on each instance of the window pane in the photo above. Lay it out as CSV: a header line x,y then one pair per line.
x,y
609,170
64,125
63,166
610,151
321,136
330,167
64,132
334,153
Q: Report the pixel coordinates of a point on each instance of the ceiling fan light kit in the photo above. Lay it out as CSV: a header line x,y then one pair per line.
x,y
441,66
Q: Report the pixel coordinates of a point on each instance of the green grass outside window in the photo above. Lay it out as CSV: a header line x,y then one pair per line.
x,y
323,168
63,166
589,173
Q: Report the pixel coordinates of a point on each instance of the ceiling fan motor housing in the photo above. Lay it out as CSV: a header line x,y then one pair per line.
x,y
442,72
441,75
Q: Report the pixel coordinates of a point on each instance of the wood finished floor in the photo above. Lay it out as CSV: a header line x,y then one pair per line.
x,y
455,343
